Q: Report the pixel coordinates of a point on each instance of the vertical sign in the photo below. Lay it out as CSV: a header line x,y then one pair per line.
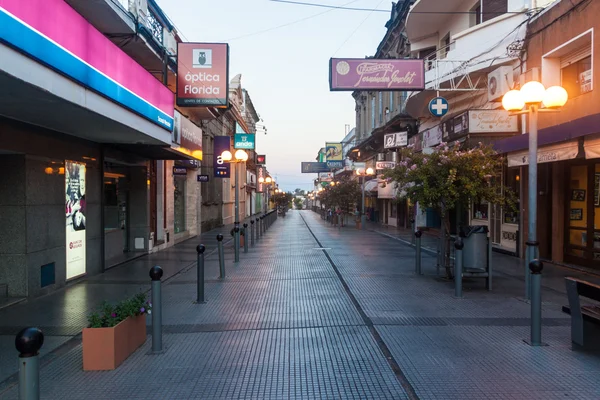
x,y
261,174
222,169
203,75
75,211
334,155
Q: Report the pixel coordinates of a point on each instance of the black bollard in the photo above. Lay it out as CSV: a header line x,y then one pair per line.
x,y
536,267
262,225
200,249
28,342
458,267
221,257
236,245
155,274
252,232
245,238
412,229
418,235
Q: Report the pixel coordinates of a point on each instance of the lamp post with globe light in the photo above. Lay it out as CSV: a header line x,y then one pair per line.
x,y
364,174
240,157
529,100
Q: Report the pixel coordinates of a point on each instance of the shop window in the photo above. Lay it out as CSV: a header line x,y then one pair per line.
x,y
475,14
391,107
373,112
179,203
513,183
111,202
380,108
576,77
393,210
445,46
480,210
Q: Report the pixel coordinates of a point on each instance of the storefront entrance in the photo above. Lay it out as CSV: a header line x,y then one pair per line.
x,y
583,215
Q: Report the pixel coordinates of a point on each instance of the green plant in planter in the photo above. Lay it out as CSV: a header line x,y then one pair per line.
x,y
110,315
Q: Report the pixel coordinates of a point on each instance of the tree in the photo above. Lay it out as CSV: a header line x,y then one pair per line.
x,y
299,203
282,199
345,194
448,178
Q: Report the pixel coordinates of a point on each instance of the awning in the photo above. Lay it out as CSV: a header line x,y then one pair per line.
x,y
591,145
554,153
371,186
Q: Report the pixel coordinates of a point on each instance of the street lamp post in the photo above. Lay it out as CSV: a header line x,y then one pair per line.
x,y
532,96
240,157
363,217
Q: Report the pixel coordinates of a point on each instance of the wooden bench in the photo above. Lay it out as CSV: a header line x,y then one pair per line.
x,y
585,319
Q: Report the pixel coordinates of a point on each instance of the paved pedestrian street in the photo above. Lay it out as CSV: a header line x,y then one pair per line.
x,y
318,312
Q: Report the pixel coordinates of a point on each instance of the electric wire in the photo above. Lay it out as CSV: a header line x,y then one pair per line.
x,y
356,30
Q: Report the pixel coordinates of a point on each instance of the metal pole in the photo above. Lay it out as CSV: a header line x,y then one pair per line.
x,y
458,267
245,238
28,342
156,273
363,217
236,228
221,256
536,267
412,229
252,232
532,243
418,235
257,228
200,279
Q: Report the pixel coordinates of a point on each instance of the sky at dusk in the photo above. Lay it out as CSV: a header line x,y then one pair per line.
x,y
285,68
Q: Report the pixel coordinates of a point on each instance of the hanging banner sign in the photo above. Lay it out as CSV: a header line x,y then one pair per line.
x,y
222,169
244,141
75,210
314,167
567,151
376,74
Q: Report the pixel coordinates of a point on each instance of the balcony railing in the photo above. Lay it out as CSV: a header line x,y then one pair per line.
x,y
155,27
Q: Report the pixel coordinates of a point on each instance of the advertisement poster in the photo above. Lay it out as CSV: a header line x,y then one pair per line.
x,y
372,74
222,169
75,211
203,75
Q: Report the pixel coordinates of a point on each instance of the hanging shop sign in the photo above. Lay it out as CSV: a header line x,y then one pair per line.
x,y
244,141
222,169
314,167
260,172
379,165
395,140
180,171
261,159
438,107
203,75
351,74
561,152
65,47
334,155
492,121
76,211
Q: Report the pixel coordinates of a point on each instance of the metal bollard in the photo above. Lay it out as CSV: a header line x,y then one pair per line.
x,y
236,241
262,225
28,342
257,228
221,256
200,249
412,229
245,238
418,235
155,274
458,267
252,232
536,267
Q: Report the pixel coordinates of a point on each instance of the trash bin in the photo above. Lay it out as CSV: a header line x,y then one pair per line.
x,y
475,252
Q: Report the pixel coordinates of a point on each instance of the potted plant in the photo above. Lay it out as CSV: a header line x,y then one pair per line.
x,y
114,333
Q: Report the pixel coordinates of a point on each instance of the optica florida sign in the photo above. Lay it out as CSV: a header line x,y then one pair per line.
x,y
349,74
55,34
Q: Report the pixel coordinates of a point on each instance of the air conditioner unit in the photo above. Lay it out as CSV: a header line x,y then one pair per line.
x,y
139,8
169,41
500,81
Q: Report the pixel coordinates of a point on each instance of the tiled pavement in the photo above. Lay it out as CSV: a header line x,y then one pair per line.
x,y
329,313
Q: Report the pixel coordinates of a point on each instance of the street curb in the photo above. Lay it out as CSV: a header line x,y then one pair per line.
x,y
406,242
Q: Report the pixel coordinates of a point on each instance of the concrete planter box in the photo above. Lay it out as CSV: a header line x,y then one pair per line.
x,y
106,348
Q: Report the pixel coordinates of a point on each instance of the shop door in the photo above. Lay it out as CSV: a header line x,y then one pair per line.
x,y
583,215
153,200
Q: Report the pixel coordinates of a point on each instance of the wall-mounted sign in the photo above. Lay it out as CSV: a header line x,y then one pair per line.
x,y
179,171
202,178
335,164
222,169
560,152
261,159
438,107
65,46
395,140
244,141
76,221
260,172
379,165
203,75
314,167
492,121
325,176
432,137
187,135
376,74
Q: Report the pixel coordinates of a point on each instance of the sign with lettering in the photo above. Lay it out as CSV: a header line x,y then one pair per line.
x,y
379,165
179,171
395,140
222,169
432,137
561,152
187,135
203,75
244,141
314,167
492,121
202,178
376,74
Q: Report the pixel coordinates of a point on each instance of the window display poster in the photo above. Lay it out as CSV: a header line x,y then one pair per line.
x,y
75,211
